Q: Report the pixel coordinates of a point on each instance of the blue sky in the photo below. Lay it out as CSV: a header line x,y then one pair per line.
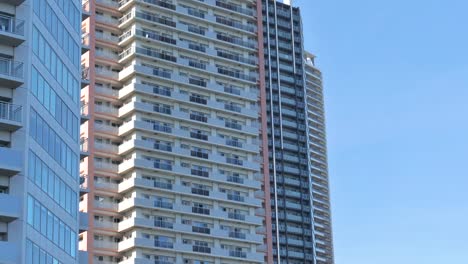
x,y
396,81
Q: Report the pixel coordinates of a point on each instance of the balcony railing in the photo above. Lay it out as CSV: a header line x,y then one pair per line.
x,y
162,128
237,75
156,19
11,25
234,108
236,216
201,249
198,154
163,224
11,68
237,235
200,191
233,125
85,39
162,204
235,197
197,82
199,210
164,147
155,54
198,117
238,41
235,24
235,179
84,145
155,36
237,254
238,58
162,185
198,136
162,166
161,4
163,244
198,229
10,112
199,173
236,8
234,143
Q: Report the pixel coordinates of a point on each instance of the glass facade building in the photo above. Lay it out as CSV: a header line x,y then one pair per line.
x,y
40,48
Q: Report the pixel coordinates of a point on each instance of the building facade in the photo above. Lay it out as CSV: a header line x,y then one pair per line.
x,y
40,47
296,142
323,238
174,172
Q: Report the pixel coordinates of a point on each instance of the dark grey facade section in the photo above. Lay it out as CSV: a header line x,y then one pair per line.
x,y
292,166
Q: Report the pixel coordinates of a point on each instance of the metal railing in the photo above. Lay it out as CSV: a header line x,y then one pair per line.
x,y
11,68
236,8
10,112
11,25
83,144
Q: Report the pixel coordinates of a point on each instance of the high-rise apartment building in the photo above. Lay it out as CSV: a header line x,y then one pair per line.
x,y
174,172
296,142
40,47
204,126
323,239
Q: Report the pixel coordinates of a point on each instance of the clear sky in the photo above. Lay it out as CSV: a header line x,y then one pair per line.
x,y
396,81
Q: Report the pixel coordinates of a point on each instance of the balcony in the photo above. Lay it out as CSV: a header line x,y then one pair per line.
x,y
84,184
201,249
11,161
84,76
235,24
85,42
83,221
11,30
85,11
236,8
10,207
106,205
10,116
106,166
84,113
84,150
11,73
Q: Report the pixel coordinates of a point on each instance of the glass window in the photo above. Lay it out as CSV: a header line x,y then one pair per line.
x,y
30,210
40,88
37,216
31,165
45,176
56,231
28,252
43,220
50,188
68,199
73,244
50,225
35,252
34,81
51,145
53,102
62,194
61,235
67,239
33,125
57,189
41,48
38,174
42,257
39,130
